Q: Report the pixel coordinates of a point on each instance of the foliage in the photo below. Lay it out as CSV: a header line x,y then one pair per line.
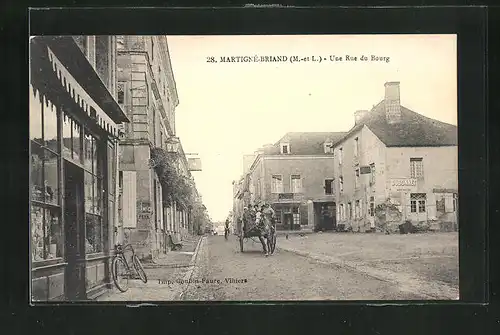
x,y
175,186
381,209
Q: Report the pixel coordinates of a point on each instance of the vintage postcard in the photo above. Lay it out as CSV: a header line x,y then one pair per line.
x,y
243,168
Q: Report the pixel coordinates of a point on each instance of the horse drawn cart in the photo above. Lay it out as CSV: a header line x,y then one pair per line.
x,y
250,231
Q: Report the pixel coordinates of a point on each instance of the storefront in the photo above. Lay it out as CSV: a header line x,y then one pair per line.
x,y
73,150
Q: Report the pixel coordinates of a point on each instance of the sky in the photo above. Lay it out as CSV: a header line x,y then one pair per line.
x,y
227,110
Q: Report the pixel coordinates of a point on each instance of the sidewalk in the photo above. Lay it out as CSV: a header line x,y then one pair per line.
x,y
421,263
165,276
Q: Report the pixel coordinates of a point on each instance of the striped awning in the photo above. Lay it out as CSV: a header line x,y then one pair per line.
x,y
81,97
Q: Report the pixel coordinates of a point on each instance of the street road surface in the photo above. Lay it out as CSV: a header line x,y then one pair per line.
x,y
224,273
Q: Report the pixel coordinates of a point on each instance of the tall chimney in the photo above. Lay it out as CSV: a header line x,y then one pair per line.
x,y
358,115
392,102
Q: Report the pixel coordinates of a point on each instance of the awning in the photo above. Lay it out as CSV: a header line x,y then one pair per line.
x,y
79,79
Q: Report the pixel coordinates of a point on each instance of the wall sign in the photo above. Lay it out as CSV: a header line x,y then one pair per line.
x,y
403,185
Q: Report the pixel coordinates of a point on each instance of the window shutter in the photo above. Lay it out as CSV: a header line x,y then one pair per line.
x,y
129,199
448,203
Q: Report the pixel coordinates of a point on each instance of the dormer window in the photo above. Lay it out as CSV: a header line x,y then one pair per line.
x,y
285,148
328,146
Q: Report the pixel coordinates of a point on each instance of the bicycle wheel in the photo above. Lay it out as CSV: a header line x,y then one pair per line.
x,y
139,269
120,274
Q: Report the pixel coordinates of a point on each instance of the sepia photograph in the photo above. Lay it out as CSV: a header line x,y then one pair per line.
x,y
170,168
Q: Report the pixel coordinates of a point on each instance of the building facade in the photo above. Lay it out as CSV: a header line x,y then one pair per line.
x,y
395,156
294,175
147,93
74,131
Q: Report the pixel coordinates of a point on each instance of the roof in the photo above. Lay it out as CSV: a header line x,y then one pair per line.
x,y
414,130
304,143
77,64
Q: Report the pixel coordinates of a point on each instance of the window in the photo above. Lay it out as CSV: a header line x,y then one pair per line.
x,y
357,209
356,178
103,65
372,174
296,184
277,184
416,168
277,214
296,216
341,212
341,156
418,202
121,92
341,184
328,146
285,149
46,233
371,210
328,186
93,193
349,210
356,147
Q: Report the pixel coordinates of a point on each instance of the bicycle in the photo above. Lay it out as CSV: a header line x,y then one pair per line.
x,y
125,273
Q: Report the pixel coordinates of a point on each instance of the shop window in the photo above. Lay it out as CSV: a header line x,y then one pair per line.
x,y
89,192
35,117
67,138
50,127
51,177
76,142
88,150
277,215
93,233
97,203
46,233
37,182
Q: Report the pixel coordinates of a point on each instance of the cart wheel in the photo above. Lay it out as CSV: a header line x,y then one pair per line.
x,y
273,242
241,243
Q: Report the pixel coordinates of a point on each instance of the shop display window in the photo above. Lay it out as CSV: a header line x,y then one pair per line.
x,y
50,127
46,233
35,117
93,233
67,138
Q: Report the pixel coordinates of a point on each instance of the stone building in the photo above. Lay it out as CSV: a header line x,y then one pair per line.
x,y
74,130
397,156
294,175
147,93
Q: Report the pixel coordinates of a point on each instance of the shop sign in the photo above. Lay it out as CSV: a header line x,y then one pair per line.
x,y
404,185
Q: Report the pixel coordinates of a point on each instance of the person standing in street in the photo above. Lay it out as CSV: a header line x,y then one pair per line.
x,y
226,229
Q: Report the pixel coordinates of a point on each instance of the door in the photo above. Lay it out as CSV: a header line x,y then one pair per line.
x,y
75,232
288,221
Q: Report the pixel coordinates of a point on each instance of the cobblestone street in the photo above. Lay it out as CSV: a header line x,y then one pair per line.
x,y
224,273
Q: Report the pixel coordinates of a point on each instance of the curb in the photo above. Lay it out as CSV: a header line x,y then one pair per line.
x,y
386,277
189,273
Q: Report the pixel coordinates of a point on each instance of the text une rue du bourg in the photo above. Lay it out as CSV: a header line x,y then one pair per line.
x,y
296,59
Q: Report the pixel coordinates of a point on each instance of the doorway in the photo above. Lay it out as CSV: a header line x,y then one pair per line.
x,y
74,219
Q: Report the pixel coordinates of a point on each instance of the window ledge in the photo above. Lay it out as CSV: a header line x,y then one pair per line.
x,y
45,264
96,256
